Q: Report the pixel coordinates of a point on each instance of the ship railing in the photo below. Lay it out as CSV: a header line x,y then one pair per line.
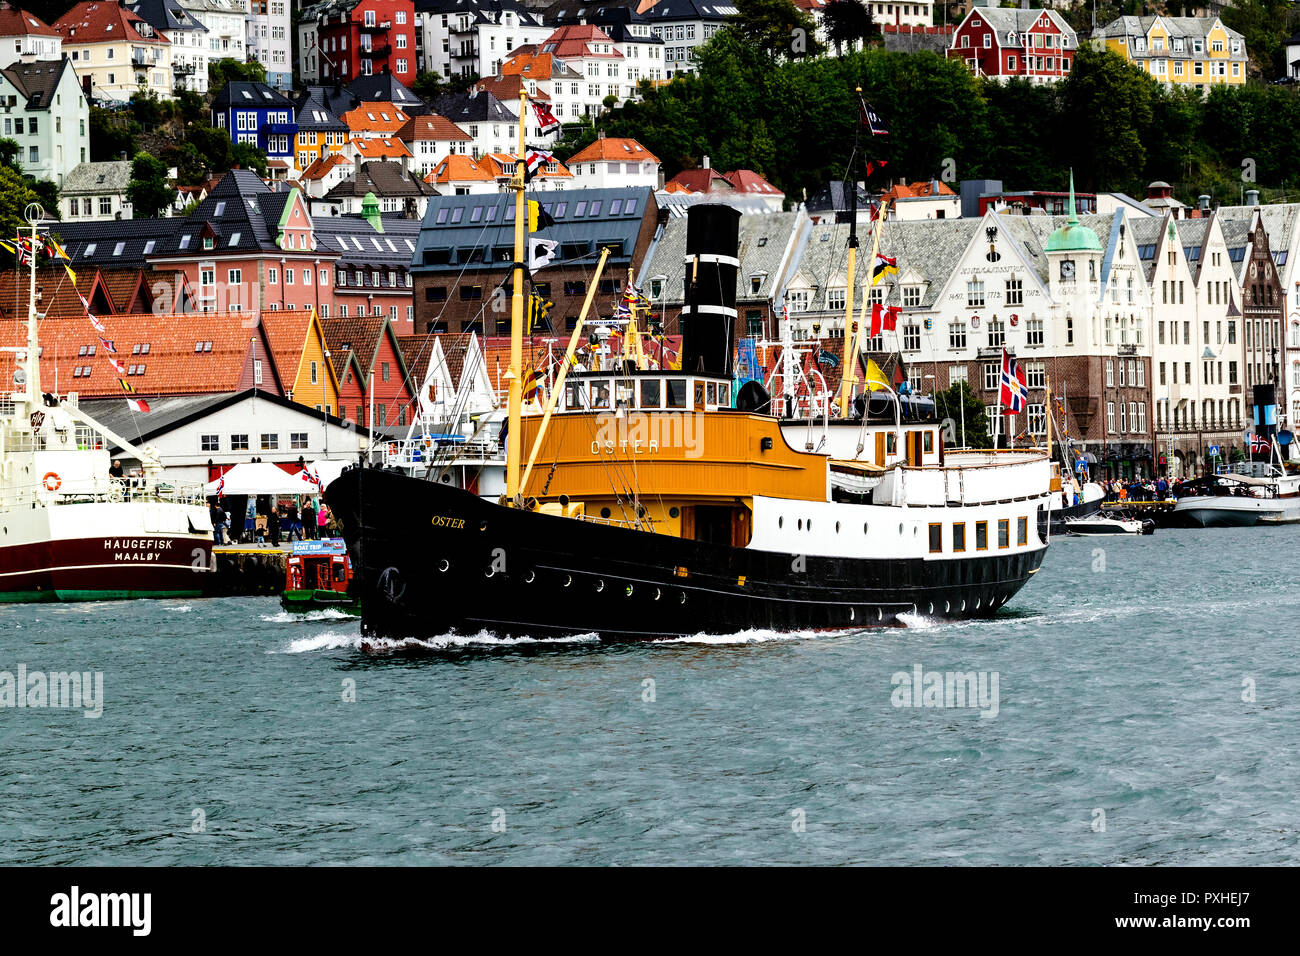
x,y
111,490
414,453
632,524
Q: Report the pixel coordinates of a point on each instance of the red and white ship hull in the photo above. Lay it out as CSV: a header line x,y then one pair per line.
x,y
104,550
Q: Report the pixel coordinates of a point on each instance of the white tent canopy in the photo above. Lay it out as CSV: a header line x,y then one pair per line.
x,y
260,478
328,468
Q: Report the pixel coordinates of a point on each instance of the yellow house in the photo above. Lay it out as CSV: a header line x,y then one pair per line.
x,y
117,50
298,344
320,131
1186,51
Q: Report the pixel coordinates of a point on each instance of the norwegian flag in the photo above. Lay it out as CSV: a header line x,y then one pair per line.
x,y
1014,390
1259,445
546,120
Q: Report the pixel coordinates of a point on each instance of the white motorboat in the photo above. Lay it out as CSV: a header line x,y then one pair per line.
x,y
1237,500
1107,524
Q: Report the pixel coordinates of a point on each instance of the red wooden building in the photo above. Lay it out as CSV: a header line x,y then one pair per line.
x,y
1037,45
365,37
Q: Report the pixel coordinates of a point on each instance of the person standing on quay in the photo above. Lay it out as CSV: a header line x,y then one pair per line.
x,y
273,524
309,520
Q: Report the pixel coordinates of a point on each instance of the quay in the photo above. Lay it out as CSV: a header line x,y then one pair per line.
x,y
243,570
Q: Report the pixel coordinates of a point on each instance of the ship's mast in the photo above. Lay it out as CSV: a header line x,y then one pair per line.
x,y
514,375
34,214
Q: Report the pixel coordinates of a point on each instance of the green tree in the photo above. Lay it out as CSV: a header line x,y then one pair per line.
x,y
847,22
224,70
9,150
112,134
15,193
574,138
148,191
47,194
775,28
429,86
1108,102
957,401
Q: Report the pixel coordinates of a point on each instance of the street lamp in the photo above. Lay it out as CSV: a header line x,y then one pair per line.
x,y
324,403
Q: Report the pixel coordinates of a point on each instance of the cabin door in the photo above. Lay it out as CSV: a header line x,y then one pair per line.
x,y
914,447
880,449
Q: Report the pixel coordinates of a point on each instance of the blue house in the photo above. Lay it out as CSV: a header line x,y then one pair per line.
x,y
257,114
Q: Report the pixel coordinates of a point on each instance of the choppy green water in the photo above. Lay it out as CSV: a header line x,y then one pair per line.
x,y
225,737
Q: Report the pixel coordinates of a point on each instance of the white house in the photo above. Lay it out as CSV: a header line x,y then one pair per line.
x,y
226,37
196,435
46,114
24,34
474,37
614,162
268,40
93,191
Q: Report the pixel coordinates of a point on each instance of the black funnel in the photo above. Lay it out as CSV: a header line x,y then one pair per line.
x,y
709,316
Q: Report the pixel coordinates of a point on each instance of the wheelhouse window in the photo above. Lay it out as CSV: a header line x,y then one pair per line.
x,y
651,394
675,392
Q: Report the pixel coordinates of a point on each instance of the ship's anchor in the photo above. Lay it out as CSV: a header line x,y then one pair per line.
x,y
391,585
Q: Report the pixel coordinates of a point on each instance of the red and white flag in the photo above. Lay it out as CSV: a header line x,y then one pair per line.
x,y
138,405
883,318
121,369
546,120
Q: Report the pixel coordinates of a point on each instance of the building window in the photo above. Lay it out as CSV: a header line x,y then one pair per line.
x,y
239,442
297,440
1034,332
975,294
992,376
1015,292
957,335
209,443
270,441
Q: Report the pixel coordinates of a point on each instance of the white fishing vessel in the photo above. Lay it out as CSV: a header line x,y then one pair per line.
x,y
69,530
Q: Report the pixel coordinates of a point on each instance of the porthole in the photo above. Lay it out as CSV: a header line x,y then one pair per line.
x,y
780,522
947,607
810,524
489,572
864,527
604,512
931,611
837,527
568,579
600,586
801,524
880,614
482,526
900,527
444,564
682,600
977,603
853,614
630,589
658,594
673,512
530,576
963,604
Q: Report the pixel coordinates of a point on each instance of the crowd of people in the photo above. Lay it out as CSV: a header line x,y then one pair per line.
x,y
268,520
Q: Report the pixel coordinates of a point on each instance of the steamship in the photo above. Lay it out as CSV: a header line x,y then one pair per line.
x,y
656,503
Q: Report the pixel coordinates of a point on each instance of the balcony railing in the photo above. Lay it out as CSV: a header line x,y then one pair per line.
x,y
376,27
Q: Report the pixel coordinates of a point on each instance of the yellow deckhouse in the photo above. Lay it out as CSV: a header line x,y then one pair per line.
x,y
1193,51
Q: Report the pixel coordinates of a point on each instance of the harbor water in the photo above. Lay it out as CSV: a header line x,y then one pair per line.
x,y
1136,703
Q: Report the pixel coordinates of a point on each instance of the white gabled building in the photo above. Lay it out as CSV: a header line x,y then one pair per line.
x,y
474,37
614,161
47,115
25,34
269,40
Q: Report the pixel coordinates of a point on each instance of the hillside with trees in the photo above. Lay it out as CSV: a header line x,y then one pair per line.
x,y
757,104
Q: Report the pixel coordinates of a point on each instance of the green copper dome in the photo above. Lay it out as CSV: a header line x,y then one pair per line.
x,y
1073,237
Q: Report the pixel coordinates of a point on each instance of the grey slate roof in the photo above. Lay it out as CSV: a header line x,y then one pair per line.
x,y
764,240
394,247
676,204
93,243
259,95
167,15
385,88
1279,221
456,225
37,80
97,178
386,180
480,107
674,10
314,113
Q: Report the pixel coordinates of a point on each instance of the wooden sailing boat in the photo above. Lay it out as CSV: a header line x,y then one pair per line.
x,y
658,502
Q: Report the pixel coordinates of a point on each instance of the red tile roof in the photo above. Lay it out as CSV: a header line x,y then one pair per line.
x,y
14,23
576,41
506,87
613,148
177,362
322,167
384,147
102,21
700,181
459,168
748,181
370,117
432,126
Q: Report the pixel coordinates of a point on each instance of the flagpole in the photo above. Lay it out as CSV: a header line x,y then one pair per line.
x,y
513,374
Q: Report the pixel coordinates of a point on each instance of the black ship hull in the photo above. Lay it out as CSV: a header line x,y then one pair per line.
x,y
430,560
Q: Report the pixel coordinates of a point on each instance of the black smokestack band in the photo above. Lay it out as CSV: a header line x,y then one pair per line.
x,y
709,316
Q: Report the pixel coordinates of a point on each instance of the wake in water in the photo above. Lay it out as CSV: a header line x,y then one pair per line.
x,y
332,640
756,636
295,617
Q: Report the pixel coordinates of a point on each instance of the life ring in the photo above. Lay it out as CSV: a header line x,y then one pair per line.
x,y
392,449
52,481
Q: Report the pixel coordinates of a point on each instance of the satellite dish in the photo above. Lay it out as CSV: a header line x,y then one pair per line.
x,y
20,376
